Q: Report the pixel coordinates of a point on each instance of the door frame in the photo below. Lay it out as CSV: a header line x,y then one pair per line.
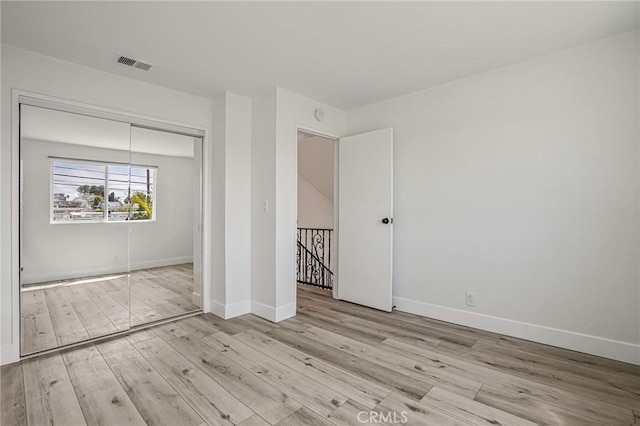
x,y
334,250
18,97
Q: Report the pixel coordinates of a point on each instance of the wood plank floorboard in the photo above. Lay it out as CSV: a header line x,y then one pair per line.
x,y
397,407
265,400
228,326
617,391
102,400
95,322
600,412
367,319
628,383
334,364
49,394
359,390
70,311
212,401
255,420
470,411
578,358
397,361
461,363
114,304
347,414
339,327
376,373
305,416
13,410
156,400
317,397
535,409
37,333
198,327
66,322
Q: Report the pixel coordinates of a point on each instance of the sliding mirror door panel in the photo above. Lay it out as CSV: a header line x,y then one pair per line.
x,y
196,191
165,219
74,228
110,227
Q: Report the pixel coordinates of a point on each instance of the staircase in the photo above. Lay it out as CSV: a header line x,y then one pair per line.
x,y
314,257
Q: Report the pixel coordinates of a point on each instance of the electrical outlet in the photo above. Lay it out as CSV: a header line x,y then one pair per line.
x,y
471,298
265,206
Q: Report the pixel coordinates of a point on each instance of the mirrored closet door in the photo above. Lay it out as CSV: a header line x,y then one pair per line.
x,y
109,227
165,238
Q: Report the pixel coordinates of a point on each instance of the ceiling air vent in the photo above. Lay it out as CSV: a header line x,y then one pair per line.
x,y
130,62
142,66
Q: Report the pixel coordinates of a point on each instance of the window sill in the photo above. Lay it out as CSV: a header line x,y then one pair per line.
x,y
95,222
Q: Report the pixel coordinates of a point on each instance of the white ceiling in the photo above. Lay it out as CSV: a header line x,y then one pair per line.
x,y
346,54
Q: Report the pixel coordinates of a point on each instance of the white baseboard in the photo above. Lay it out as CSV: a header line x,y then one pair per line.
x,y
286,311
68,275
264,311
238,308
161,262
271,313
218,309
9,353
196,299
81,273
613,349
231,310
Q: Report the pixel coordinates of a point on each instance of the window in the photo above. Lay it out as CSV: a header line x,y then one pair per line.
x,y
89,191
141,193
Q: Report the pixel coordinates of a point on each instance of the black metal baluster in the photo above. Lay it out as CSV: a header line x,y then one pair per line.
x,y
316,245
330,264
323,274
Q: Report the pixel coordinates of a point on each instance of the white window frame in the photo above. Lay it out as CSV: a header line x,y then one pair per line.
x,y
106,164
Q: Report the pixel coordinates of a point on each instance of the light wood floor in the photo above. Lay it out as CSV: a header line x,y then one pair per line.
x,y
331,362
71,311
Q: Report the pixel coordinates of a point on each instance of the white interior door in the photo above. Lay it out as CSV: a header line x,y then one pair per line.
x,y
365,218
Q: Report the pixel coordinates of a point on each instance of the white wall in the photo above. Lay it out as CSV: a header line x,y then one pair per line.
x,y
276,116
263,190
45,75
314,209
315,163
315,182
217,226
232,237
71,250
521,185
293,111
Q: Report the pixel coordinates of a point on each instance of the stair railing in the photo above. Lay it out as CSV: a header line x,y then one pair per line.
x,y
314,257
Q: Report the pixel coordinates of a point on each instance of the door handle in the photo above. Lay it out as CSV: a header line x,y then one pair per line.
x,y
386,220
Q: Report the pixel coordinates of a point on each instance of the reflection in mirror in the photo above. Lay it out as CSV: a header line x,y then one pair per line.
x,y
74,283
164,218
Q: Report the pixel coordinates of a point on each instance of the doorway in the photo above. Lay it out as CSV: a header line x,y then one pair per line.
x,y
359,170
316,224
